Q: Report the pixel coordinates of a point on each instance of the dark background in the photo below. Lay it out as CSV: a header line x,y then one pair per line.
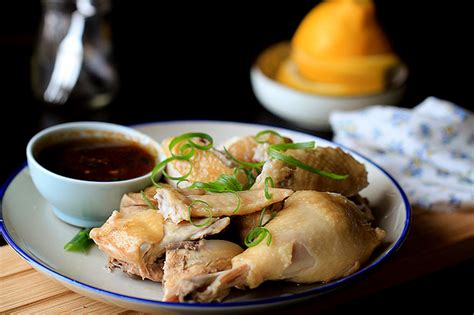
x,y
191,60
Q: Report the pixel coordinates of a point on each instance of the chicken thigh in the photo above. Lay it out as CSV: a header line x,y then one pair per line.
x,y
317,237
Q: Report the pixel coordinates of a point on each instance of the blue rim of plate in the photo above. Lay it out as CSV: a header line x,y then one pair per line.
x,y
223,305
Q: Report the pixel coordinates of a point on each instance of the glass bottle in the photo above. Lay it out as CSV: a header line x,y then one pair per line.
x,y
72,63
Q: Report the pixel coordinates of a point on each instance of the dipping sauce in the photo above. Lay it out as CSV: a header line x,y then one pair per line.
x,y
97,159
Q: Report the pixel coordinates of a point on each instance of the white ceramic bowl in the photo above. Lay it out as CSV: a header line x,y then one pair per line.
x,y
305,109
80,202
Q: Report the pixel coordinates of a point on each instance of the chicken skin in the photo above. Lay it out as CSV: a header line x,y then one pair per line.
x,y
173,204
323,158
317,237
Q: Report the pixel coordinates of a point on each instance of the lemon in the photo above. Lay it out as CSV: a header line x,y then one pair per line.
x,y
339,49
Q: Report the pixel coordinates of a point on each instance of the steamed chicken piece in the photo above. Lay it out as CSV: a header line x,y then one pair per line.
x,y
173,205
323,158
135,241
207,166
247,149
245,223
194,258
317,237
134,202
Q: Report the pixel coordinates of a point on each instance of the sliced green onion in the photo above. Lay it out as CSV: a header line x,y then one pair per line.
x,y
260,221
265,132
268,181
292,161
207,208
180,178
225,183
189,145
186,151
243,163
257,235
295,146
239,201
180,181
160,166
147,201
81,242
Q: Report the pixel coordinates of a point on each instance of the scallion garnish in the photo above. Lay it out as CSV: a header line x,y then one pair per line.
x,y
207,208
185,150
243,163
224,183
259,135
147,201
268,181
276,154
258,233
274,151
81,242
180,178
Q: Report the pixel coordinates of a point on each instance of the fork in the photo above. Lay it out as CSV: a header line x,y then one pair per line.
x,y
69,56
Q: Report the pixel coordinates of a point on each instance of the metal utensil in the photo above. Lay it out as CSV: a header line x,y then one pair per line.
x,y
69,56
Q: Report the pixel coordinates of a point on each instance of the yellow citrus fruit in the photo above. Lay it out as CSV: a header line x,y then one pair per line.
x,y
341,42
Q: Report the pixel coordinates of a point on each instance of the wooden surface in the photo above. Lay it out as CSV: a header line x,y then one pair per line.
x,y
436,241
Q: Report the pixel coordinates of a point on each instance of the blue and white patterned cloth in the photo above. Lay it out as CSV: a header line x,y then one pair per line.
x,y
429,149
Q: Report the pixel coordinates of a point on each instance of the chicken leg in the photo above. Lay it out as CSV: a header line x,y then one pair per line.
x,y
317,237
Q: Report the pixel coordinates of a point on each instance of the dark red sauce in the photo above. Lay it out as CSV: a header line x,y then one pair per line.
x,y
97,159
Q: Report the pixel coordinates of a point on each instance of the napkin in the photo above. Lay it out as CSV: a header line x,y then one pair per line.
x,y
429,149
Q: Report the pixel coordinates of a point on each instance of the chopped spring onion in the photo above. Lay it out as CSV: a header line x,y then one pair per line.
x,y
243,163
225,183
249,174
186,151
157,169
268,181
190,145
180,178
81,242
274,150
258,233
259,135
238,203
148,202
207,208
293,161
294,146
260,220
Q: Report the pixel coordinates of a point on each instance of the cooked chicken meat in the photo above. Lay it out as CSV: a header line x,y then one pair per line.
x,y
194,258
247,149
317,237
134,202
316,229
245,223
137,240
207,166
323,158
173,205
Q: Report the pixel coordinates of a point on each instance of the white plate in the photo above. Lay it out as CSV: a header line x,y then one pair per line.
x,y
30,227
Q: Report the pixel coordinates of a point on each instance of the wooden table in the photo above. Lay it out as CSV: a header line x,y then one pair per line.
x,y
436,241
